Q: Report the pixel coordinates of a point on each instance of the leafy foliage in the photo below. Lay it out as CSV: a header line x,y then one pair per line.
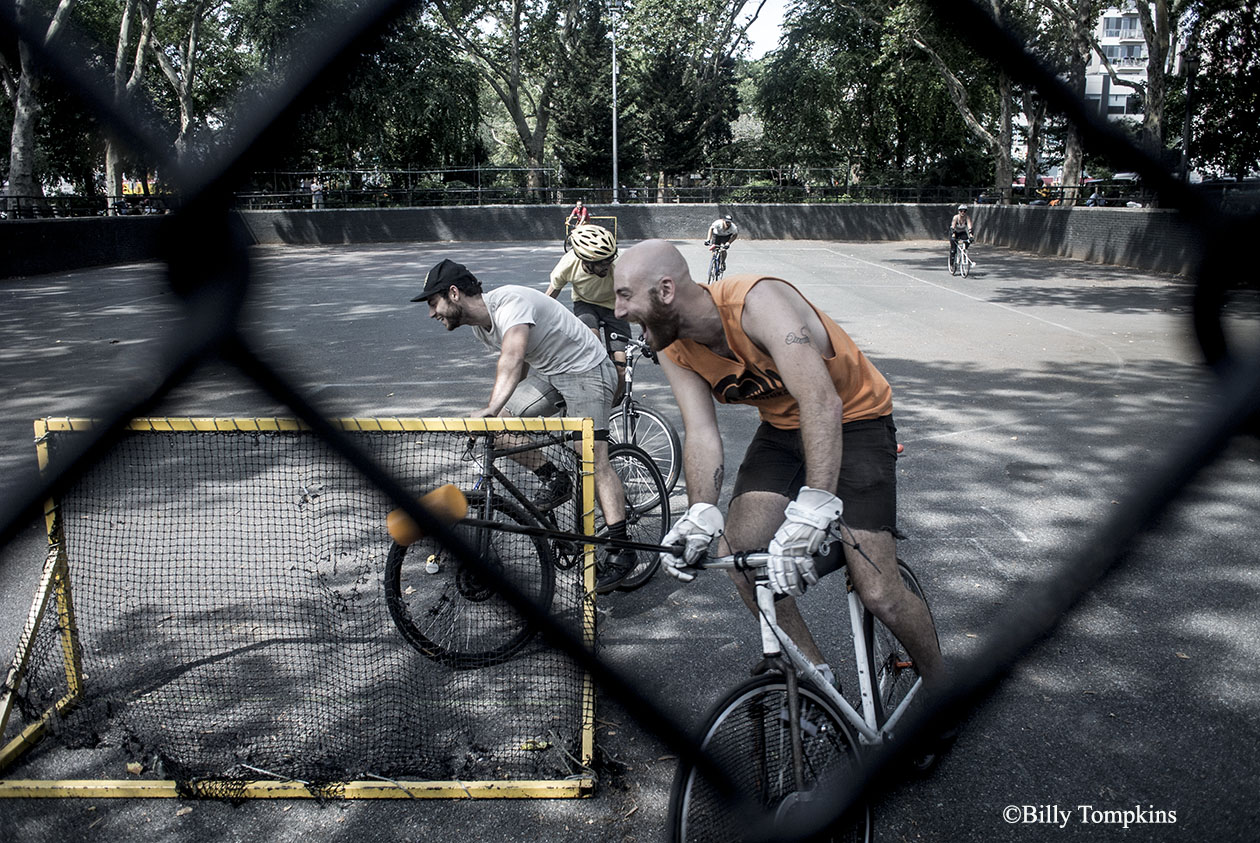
x,y
583,101
1226,98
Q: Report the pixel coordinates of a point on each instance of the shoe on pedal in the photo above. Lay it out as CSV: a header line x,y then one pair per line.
x,y
616,567
556,489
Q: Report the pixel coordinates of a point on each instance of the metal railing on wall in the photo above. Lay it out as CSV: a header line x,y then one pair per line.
x,y
1226,196
210,269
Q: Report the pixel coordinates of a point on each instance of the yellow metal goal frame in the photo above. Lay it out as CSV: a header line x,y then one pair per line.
x,y
608,222
55,588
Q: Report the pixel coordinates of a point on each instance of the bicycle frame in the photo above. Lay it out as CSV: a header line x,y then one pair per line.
x,y
717,263
565,543
776,646
491,471
634,350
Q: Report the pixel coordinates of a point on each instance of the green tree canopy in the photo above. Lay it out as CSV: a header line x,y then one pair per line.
x,y
1226,99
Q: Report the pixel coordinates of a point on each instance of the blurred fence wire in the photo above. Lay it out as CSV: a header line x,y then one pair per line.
x,y
209,266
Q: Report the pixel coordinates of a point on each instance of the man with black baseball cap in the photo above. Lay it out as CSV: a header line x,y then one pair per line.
x,y
530,330
446,274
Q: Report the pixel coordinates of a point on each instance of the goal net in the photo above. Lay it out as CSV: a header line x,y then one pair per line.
x,y
216,617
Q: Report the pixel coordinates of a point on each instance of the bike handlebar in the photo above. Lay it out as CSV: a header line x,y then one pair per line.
x,y
747,560
751,560
639,344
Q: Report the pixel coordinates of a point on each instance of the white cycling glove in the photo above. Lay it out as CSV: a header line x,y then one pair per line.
x,y
805,528
698,527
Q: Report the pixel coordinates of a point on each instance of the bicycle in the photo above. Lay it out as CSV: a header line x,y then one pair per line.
x,y
717,263
640,425
963,263
787,736
630,423
445,610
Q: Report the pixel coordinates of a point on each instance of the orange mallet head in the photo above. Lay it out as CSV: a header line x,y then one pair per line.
x,y
446,503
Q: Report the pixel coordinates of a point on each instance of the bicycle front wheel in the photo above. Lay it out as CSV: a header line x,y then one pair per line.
x,y
649,430
648,516
893,672
447,611
964,262
748,736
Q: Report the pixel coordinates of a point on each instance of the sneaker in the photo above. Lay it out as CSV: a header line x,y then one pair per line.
x,y
555,490
616,567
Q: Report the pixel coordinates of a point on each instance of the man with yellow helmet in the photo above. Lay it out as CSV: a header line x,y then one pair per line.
x,y
589,268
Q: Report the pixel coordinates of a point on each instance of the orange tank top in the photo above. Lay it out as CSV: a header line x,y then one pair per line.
x,y
750,378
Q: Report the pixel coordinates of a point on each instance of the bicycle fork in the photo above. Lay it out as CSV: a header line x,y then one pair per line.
x,y
771,649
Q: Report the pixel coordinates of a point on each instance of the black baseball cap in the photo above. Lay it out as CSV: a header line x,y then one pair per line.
x,y
445,274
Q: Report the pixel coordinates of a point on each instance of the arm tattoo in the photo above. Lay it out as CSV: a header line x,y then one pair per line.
x,y
794,338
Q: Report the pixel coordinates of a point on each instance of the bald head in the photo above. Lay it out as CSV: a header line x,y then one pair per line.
x,y
653,287
648,262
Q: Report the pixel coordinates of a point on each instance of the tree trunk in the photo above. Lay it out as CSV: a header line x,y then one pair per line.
x,y
113,168
113,176
1003,171
22,183
182,80
22,180
1073,152
1156,30
1034,112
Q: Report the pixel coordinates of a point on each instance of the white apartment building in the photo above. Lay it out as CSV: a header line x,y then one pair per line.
x,y
1120,34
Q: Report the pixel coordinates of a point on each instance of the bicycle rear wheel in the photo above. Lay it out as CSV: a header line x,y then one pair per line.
x,y
450,614
648,429
748,736
893,672
953,265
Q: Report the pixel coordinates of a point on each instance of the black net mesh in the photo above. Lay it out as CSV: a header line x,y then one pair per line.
x,y
229,595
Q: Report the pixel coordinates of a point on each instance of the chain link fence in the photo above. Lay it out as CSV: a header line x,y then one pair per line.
x,y
209,268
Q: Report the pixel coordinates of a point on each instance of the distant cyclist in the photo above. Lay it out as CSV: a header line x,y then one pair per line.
x,y
589,268
959,229
580,215
722,232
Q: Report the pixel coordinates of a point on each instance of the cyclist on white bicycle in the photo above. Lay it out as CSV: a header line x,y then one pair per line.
x,y
589,268
959,229
756,340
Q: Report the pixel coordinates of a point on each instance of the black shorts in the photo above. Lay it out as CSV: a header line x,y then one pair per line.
x,y
604,321
775,462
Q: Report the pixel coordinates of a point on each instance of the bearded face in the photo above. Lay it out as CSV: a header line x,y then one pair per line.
x,y
660,324
450,313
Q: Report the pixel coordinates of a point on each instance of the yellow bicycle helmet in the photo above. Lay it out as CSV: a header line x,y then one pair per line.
x,y
593,243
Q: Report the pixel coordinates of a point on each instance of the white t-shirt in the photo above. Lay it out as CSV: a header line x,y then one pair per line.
x,y
558,341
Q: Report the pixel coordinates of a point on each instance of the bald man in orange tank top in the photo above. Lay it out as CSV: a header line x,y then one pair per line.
x,y
825,450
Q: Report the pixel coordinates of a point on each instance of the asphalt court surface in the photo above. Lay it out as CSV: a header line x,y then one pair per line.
x,y
1031,398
